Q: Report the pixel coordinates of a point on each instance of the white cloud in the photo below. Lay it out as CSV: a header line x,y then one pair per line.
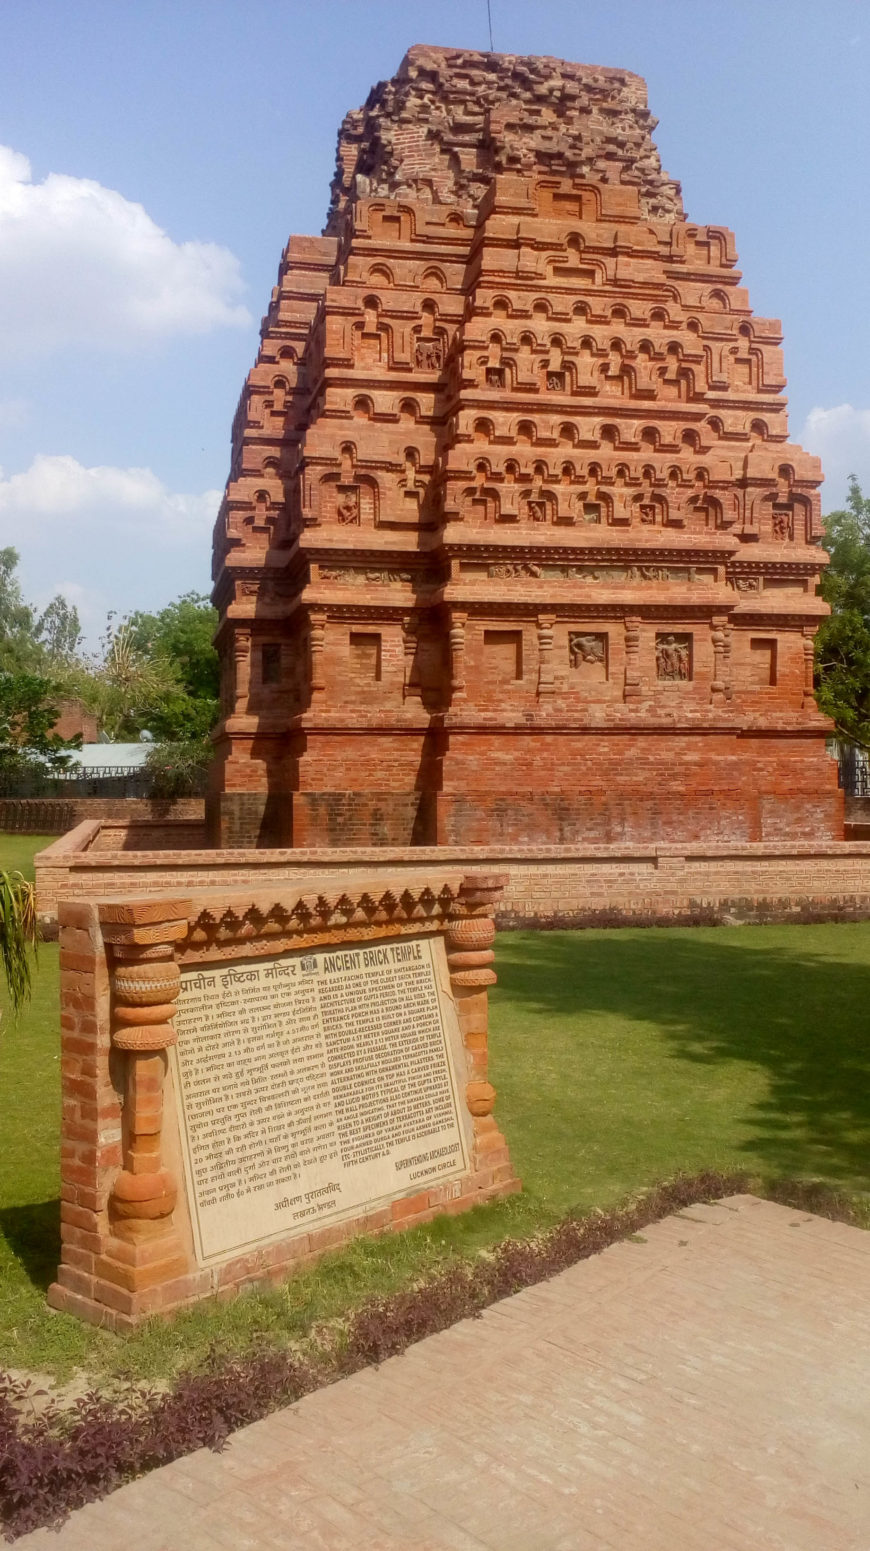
x,y
80,264
58,491
105,537
841,438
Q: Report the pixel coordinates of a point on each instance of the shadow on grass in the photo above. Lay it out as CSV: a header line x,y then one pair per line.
x,y
716,996
33,1235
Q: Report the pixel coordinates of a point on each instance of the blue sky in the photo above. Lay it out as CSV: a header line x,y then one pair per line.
x,y
159,152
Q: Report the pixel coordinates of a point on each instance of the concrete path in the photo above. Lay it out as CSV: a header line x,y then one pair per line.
x,y
706,1389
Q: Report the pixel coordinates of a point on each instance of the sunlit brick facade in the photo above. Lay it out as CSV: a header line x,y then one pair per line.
x,y
515,547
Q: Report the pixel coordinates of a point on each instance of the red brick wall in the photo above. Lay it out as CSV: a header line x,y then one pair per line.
x,y
548,885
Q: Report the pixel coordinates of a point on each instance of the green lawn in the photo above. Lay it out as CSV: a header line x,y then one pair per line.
x,y
17,851
620,1058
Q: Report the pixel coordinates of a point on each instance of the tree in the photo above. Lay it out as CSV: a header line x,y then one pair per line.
x,y
125,686
28,712
182,635
58,630
18,648
843,640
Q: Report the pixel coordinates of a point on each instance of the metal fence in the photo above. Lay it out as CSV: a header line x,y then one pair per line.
x,y
106,781
854,766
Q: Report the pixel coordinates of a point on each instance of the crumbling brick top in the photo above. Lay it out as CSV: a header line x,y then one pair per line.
x,y
450,119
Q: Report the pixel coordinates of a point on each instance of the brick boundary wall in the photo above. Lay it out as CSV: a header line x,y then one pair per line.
x,y
549,886
57,815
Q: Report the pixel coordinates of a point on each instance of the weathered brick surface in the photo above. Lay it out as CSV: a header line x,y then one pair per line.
x,y
515,547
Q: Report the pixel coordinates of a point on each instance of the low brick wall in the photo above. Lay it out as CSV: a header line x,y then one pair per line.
x,y
57,815
549,885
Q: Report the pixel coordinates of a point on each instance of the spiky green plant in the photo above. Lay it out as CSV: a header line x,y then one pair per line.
x,y
18,934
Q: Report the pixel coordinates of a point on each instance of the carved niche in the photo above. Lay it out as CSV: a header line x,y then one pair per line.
x,y
588,655
673,658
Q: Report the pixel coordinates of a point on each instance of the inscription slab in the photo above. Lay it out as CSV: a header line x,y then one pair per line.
x,y
314,1084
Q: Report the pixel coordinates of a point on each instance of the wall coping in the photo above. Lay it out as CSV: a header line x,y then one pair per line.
x,y
73,850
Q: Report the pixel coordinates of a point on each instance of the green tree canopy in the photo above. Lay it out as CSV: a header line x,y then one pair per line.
x,y
843,640
181,635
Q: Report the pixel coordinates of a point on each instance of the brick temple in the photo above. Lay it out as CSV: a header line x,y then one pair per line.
x,y
515,547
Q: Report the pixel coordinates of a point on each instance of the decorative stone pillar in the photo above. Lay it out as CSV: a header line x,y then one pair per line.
x,y
809,644
317,639
633,688
469,958
242,668
144,1248
457,656
546,676
720,687
409,651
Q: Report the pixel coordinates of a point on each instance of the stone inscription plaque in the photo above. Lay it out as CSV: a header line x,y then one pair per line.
x,y
314,1084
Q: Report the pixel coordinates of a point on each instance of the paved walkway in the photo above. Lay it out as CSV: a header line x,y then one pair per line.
x,y
705,1389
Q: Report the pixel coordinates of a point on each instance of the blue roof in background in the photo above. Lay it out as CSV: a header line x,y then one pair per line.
x,y
97,756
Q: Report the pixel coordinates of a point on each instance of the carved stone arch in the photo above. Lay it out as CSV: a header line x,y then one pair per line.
x,y
480,503
541,307
538,505
567,472
482,429
433,279
650,508
380,274
280,393
649,436
408,411
717,429
619,313
349,499
689,438
392,221
362,407
526,432
370,338
760,429
568,435
502,307
580,310
717,300
659,316
608,435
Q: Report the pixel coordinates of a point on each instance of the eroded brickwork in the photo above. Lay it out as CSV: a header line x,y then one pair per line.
x,y
515,546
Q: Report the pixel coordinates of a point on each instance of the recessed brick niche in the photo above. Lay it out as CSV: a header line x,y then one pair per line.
x,y
515,547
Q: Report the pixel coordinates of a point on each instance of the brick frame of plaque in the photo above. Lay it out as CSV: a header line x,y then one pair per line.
x,y
250,1082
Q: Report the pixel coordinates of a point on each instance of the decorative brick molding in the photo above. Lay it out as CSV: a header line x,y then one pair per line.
x,y
127,1248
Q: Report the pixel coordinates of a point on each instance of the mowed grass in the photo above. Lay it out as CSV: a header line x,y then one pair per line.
x,y
620,1059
